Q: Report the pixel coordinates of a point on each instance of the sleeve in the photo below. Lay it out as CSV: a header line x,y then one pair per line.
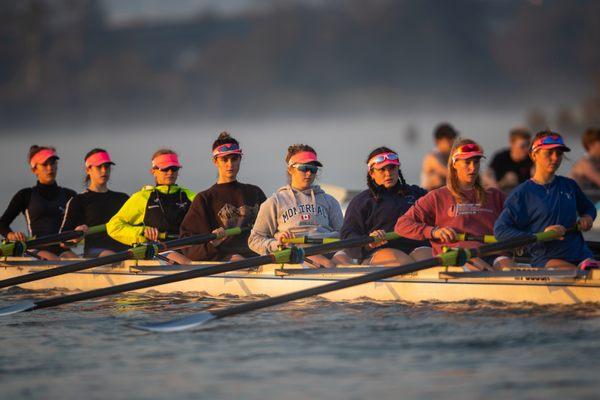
x,y
74,215
419,221
197,221
262,237
17,205
127,225
513,219
584,204
354,226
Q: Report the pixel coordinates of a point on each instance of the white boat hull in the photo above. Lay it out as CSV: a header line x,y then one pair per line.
x,y
428,285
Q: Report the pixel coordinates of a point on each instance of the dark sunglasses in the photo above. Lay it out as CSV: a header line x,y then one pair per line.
x,y
307,167
172,169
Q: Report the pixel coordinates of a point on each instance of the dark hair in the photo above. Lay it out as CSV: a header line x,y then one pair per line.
x,y
34,149
297,148
444,131
86,179
224,138
590,136
374,188
519,133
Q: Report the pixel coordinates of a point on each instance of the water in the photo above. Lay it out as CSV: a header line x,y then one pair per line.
x,y
307,349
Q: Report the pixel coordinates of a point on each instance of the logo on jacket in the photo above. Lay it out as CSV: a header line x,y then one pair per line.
x,y
467,209
232,216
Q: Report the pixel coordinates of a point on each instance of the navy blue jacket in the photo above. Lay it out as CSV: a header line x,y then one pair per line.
x,y
366,214
531,208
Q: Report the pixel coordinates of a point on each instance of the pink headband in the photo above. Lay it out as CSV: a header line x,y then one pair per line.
x,y
98,159
467,151
304,157
227,148
42,156
165,161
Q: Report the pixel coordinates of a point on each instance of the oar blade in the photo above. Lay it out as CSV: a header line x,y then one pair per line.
x,y
21,306
176,325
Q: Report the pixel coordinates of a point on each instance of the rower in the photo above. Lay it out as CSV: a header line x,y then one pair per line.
x,y
226,204
299,208
435,163
549,202
155,209
95,206
42,205
511,167
586,170
462,206
375,211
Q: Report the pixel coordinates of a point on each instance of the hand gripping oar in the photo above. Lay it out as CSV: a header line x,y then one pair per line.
x,y
143,251
452,257
17,249
293,254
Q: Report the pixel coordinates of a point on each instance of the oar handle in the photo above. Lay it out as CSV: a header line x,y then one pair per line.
x,y
18,248
309,240
462,237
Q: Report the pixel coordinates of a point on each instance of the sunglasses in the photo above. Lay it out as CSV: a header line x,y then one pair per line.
x,y
382,157
307,167
172,169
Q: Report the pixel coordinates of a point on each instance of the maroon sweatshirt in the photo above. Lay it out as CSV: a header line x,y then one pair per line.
x,y
439,208
226,205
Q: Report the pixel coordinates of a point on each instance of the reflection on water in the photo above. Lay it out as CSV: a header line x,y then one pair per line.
x,y
312,348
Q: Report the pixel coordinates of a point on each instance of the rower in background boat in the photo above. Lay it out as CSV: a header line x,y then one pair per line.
x,y
586,171
156,208
95,206
462,206
375,211
226,204
549,202
299,208
42,205
511,167
435,163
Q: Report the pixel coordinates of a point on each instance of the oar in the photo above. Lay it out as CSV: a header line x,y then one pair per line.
x,y
19,248
316,240
147,250
309,240
461,237
293,254
452,257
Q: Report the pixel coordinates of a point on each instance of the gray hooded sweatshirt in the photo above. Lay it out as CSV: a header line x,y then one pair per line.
x,y
310,212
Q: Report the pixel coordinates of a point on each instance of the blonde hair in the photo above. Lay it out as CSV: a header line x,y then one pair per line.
x,y
452,178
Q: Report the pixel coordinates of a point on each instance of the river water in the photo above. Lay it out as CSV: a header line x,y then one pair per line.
x,y
307,349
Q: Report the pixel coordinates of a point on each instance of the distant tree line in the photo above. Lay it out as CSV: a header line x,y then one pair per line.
x,y
61,59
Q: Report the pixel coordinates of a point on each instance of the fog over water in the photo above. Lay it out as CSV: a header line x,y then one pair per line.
x,y
341,143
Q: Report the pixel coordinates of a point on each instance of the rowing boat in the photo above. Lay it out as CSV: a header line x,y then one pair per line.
x,y
446,284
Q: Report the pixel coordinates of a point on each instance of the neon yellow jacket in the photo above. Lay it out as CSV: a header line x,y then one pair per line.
x,y
127,225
